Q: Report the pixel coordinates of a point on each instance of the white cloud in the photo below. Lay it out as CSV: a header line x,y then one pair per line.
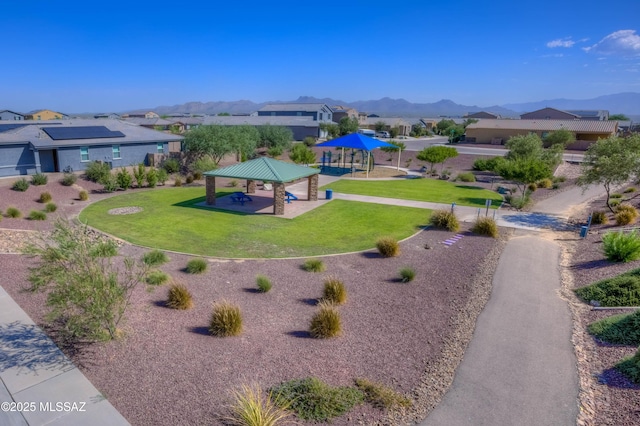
x,y
620,43
566,42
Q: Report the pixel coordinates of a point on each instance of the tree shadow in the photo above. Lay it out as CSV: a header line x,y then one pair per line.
x,y
591,264
615,379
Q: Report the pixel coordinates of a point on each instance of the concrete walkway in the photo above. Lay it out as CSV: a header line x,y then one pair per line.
x,y
38,384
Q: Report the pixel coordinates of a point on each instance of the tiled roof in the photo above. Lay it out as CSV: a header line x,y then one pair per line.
x,y
265,169
294,107
581,126
255,120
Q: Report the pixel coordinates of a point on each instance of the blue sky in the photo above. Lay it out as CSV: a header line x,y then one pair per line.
x,y
81,56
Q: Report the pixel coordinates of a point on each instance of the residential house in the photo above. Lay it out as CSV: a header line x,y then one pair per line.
x,y
301,127
317,111
340,111
403,126
110,115
148,114
556,114
11,116
482,114
497,132
598,115
55,146
45,114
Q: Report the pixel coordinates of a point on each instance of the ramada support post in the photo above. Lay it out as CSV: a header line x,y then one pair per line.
x,y
251,186
278,198
211,190
312,188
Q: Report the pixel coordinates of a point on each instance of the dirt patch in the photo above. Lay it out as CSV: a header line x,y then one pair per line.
x,y
125,210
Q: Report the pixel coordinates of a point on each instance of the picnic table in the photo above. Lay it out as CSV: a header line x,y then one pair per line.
x,y
289,196
240,197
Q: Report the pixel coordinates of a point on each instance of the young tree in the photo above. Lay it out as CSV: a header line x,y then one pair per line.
x,y
212,140
301,154
88,294
610,162
524,147
348,125
394,132
244,140
332,129
523,171
380,126
275,137
436,155
562,137
443,125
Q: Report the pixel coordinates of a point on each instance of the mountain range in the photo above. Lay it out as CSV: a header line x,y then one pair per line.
x,y
620,103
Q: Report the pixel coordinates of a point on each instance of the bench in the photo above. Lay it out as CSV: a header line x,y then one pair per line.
x,y
240,197
289,196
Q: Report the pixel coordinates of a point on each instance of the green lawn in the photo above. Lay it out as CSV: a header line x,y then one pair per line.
x,y
432,190
171,220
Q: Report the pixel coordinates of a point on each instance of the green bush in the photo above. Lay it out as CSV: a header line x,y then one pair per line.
x,y
559,179
407,274
177,181
482,164
20,185
627,208
309,141
630,367
171,165
197,175
621,290
155,258
156,277
263,283
251,407
233,183
39,179
45,197
599,218
203,165
629,189
444,219
83,195
140,174
124,179
313,265
189,179
518,202
68,179
37,215
466,177
614,202
13,213
162,176
226,320
532,187
109,183
545,183
388,247
275,151
179,297
152,178
334,291
381,396
621,329
615,195
196,266
313,400
50,207
621,247
485,226
97,172
625,217
326,322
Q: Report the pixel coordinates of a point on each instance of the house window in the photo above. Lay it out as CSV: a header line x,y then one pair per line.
x,y
160,148
84,153
299,114
321,116
545,134
116,152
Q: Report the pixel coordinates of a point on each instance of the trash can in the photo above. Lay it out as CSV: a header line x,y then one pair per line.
x,y
583,231
329,194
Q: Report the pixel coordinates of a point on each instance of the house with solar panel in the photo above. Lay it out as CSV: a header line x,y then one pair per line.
x,y
29,147
45,114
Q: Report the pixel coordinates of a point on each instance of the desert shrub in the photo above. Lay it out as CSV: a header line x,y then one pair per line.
x,y
444,219
532,187
630,367
156,277
466,177
20,185
50,207
189,179
39,179
312,399
625,217
518,202
263,283
621,247
179,297
196,266
226,319
627,208
545,183
623,329
388,247
334,291
197,175
233,183
162,176
629,189
309,141
326,322
109,183
407,274
313,265
252,407
37,215
13,213
203,165
614,202
152,178
171,165
381,396
68,179
621,290
559,179
97,172
485,226
275,151
155,258
83,195
599,218
45,197
177,181
555,186
124,179
615,195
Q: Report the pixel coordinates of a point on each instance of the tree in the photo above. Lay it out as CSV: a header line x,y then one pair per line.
x,y
397,146
211,140
348,125
223,114
332,129
394,132
301,154
619,117
610,162
418,130
524,147
88,294
436,155
562,137
380,126
244,140
275,137
443,125
523,171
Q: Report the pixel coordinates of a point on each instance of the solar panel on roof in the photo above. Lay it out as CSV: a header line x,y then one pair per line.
x,y
81,132
7,127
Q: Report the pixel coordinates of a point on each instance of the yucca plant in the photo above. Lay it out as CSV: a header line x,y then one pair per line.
x,y
388,247
179,297
226,319
334,291
253,407
326,322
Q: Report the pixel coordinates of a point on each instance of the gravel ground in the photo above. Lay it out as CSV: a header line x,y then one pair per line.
x,y
169,371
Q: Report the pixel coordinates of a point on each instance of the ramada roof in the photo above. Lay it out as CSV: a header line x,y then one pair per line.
x,y
264,169
580,126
